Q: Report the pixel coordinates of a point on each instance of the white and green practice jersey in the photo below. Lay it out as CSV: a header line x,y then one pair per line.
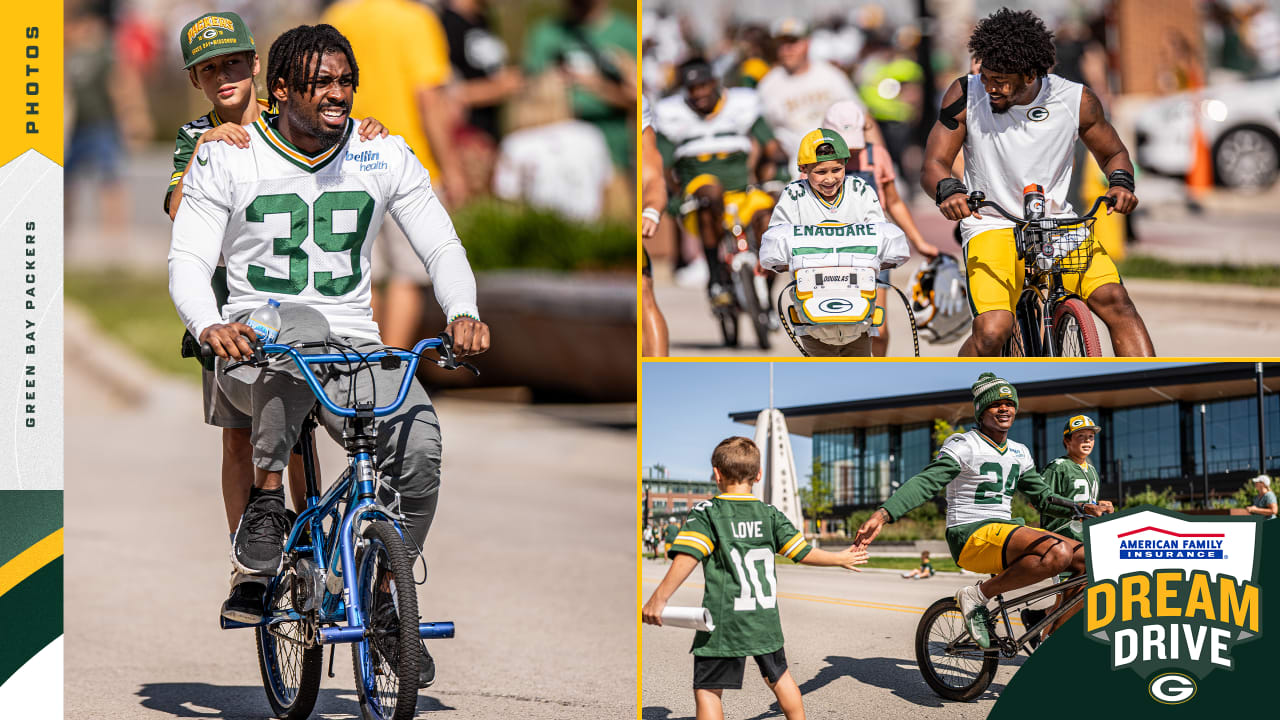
x,y
807,231
736,537
717,144
989,475
299,227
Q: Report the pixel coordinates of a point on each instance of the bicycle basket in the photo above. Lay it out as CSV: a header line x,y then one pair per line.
x,y
1066,249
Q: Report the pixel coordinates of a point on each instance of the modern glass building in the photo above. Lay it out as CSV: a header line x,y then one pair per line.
x,y
1151,430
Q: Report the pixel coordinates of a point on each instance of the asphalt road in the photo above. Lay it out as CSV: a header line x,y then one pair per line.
x,y
531,555
848,645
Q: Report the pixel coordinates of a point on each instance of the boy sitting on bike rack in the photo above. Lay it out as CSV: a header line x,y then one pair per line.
x,y
981,470
736,536
828,230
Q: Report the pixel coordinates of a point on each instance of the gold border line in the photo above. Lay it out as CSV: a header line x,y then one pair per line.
x,y
639,338
29,561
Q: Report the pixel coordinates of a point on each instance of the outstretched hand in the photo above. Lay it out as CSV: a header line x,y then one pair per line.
x,y
851,556
870,529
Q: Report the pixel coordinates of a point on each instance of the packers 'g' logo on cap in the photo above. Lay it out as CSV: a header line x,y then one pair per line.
x,y
1005,391
1079,422
1036,114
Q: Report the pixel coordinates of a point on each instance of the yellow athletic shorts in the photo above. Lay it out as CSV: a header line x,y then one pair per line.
x,y
995,274
983,552
749,202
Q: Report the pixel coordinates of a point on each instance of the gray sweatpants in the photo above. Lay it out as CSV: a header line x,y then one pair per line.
x,y
278,400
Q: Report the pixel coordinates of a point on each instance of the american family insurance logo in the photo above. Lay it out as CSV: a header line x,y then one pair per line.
x,y
1172,594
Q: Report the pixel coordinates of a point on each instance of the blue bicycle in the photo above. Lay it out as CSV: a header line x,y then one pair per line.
x,y
314,601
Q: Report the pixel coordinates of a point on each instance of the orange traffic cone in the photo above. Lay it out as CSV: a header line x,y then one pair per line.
x,y
1200,174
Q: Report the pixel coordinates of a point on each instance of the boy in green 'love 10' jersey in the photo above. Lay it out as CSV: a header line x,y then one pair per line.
x,y
737,535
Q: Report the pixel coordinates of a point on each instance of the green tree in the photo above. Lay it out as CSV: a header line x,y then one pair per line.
x,y
943,430
817,499
1162,499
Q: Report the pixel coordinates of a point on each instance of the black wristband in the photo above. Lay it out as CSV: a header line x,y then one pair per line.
x,y
1121,178
948,187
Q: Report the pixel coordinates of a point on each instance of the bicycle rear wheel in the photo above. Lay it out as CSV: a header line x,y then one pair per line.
x,y
289,662
386,662
951,662
1074,332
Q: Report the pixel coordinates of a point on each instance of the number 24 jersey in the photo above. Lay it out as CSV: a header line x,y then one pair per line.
x,y
736,537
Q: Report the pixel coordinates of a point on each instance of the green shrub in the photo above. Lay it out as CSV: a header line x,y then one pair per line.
x,y
501,236
1021,508
1162,499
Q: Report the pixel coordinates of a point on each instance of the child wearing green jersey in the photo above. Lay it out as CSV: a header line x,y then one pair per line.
x,y
736,536
1071,475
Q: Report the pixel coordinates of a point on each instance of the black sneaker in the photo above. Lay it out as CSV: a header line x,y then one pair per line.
x,y
245,604
1029,618
426,667
258,547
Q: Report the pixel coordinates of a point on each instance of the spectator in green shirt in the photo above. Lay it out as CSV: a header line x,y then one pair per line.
x,y
595,47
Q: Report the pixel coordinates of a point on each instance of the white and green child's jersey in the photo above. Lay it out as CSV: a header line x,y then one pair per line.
x,y
981,477
717,144
807,231
1076,483
736,538
299,227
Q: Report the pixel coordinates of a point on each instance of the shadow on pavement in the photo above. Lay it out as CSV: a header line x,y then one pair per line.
x,y
660,713
240,702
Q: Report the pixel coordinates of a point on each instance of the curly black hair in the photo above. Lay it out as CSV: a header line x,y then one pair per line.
x,y
1013,42
291,53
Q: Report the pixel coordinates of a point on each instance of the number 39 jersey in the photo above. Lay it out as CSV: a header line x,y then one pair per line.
x,y
298,228
736,537
989,474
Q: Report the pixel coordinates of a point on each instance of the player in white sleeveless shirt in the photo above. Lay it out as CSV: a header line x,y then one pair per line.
x,y
1017,125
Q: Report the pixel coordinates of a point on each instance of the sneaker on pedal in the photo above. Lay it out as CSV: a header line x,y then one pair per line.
x,y
246,604
1029,618
426,666
974,610
258,547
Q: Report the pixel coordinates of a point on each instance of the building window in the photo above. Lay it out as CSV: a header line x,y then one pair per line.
x,y
659,504
679,505
917,451
1232,427
1145,443
876,457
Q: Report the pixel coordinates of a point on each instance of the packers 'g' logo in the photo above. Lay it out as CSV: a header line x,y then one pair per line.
x,y
1036,114
1005,391
1077,421
1172,688
209,34
835,305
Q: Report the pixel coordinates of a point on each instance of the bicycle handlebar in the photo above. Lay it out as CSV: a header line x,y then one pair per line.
x,y
978,199
388,357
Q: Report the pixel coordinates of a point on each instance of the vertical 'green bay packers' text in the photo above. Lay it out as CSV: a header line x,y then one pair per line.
x,y
29,321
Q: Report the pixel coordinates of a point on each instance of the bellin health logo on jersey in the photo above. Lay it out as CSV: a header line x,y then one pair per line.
x,y
1172,595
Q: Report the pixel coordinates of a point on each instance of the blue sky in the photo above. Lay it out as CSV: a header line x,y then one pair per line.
x,y
686,405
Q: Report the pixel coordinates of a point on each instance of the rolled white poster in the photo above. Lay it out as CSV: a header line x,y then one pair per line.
x,y
694,618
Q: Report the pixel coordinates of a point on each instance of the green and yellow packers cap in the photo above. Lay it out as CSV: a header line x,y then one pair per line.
x,y
810,143
1080,422
214,34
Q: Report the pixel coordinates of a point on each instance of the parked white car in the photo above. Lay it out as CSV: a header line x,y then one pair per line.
x,y
1241,122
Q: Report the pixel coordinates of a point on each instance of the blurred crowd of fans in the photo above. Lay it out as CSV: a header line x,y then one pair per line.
x,y
535,101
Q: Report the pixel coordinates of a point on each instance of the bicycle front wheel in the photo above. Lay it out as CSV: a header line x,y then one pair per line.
x,y
756,308
386,662
290,663
951,662
1074,333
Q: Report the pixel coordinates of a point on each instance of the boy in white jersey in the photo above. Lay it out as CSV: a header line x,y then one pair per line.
x,y
1018,126
853,234
981,470
292,214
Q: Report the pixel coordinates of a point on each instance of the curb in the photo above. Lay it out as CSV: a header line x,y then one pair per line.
x,y
91,351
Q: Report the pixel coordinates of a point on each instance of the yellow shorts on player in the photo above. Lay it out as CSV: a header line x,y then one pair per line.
x,y
984,550
748,202
995,274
